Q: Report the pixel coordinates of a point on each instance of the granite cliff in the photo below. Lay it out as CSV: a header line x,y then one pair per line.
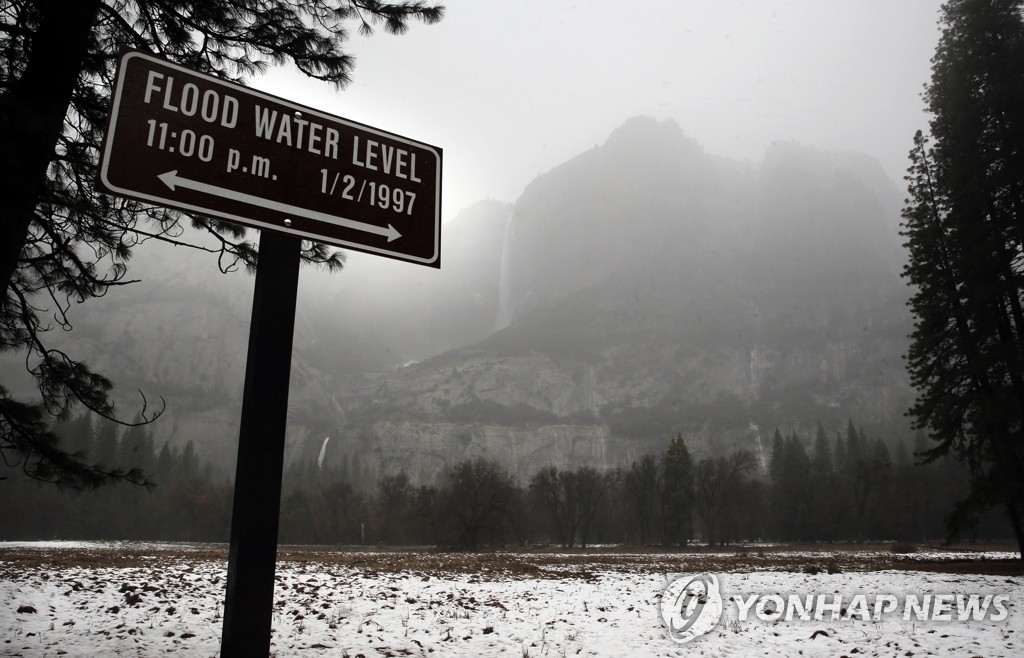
x,y
641,289
647,288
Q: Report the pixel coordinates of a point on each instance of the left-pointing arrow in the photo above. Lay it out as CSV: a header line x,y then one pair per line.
x,y
172,180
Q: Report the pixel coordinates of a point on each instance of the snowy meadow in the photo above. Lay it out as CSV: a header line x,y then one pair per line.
x,y
148,599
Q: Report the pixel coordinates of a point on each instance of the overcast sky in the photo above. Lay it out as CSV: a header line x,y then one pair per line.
x,y
511,88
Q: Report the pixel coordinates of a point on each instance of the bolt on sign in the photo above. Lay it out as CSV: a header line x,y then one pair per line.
x,y
189,141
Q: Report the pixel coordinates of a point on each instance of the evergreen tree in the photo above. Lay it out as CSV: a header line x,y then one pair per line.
x,y
902,460
840,455
821,456
827,493
775,477
189,468
854,445
106,451
881,458
880,507
790,474
867,477
964,230
78,435
60,240
908,495
165,464
136,448
795,489
778,448
677,492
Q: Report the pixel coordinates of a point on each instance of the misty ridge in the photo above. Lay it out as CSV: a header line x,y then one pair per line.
x,y
640,290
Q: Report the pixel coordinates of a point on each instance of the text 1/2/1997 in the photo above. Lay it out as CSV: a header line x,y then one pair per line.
x,y
381,196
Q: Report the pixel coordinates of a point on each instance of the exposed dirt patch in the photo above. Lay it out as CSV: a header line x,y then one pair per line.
x,y
544,562
984,567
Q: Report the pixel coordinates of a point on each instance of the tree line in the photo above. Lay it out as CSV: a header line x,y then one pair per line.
x,y
843,486
184,499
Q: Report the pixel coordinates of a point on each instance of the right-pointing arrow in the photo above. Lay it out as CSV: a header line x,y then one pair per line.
x,y
172,180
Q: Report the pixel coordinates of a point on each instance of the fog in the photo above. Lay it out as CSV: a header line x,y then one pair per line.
x,y
660,218
510,89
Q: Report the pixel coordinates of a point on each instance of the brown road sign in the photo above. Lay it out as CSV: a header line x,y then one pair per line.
x,y
189,141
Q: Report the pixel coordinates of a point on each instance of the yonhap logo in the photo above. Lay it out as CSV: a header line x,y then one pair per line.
x,y
690,606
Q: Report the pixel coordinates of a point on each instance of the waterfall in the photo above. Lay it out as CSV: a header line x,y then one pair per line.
x,y
323,451
504,311
760,448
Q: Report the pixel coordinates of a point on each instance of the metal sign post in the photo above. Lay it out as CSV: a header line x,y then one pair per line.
x,y
189,141
249,604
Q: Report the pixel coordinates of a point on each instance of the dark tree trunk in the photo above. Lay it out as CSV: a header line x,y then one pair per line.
x,y
32,114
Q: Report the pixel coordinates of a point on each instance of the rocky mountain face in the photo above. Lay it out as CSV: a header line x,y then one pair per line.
x,y
647,288
639,290
180,333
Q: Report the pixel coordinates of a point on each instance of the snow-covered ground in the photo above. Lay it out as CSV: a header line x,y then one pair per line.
x,y
102,599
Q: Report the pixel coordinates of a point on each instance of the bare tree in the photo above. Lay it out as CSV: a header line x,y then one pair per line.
x,y
478,495
554,493
394,502
715,494
641,489
591,488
